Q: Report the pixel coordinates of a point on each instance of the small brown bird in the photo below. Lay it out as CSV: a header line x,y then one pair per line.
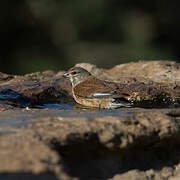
x,y
89,91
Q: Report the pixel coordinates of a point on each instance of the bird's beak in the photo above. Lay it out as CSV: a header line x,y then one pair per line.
x,y
66,75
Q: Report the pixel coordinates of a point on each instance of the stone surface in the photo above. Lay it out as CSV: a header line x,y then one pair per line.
x,y
90,144
154,83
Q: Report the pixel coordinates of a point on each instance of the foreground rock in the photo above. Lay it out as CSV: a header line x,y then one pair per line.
x,y
141,144
131,143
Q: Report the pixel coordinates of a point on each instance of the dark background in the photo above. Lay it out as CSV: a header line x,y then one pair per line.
x,y
37,35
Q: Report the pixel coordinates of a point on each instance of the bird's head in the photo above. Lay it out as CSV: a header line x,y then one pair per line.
x,y
77,75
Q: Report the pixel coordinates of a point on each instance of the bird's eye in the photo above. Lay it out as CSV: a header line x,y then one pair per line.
x,y
73,73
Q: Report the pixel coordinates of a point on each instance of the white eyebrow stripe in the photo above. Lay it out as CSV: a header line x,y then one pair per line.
x,y
102,94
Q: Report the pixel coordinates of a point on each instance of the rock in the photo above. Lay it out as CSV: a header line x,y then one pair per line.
x,y
152,82
131,175
78,144
106,147
146,87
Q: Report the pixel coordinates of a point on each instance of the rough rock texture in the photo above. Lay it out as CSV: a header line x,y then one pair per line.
x,y
86,144
141,145
154,83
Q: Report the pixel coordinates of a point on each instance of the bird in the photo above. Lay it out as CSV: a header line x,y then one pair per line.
x,y
90,91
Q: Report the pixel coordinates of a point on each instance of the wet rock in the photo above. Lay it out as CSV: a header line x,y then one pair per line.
x,y
34,89
11,97
147,87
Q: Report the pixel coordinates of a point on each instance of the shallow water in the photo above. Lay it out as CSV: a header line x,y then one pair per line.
x,y
21,110
18,112
22,117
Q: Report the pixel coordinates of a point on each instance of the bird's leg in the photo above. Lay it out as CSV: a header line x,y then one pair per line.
x,y
99,106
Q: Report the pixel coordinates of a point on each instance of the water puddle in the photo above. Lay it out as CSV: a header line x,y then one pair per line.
x,y
22,110
14,119
54,106
6,132
19,117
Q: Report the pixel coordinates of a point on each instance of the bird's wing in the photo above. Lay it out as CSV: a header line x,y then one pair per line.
x,y
92,86
95,88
